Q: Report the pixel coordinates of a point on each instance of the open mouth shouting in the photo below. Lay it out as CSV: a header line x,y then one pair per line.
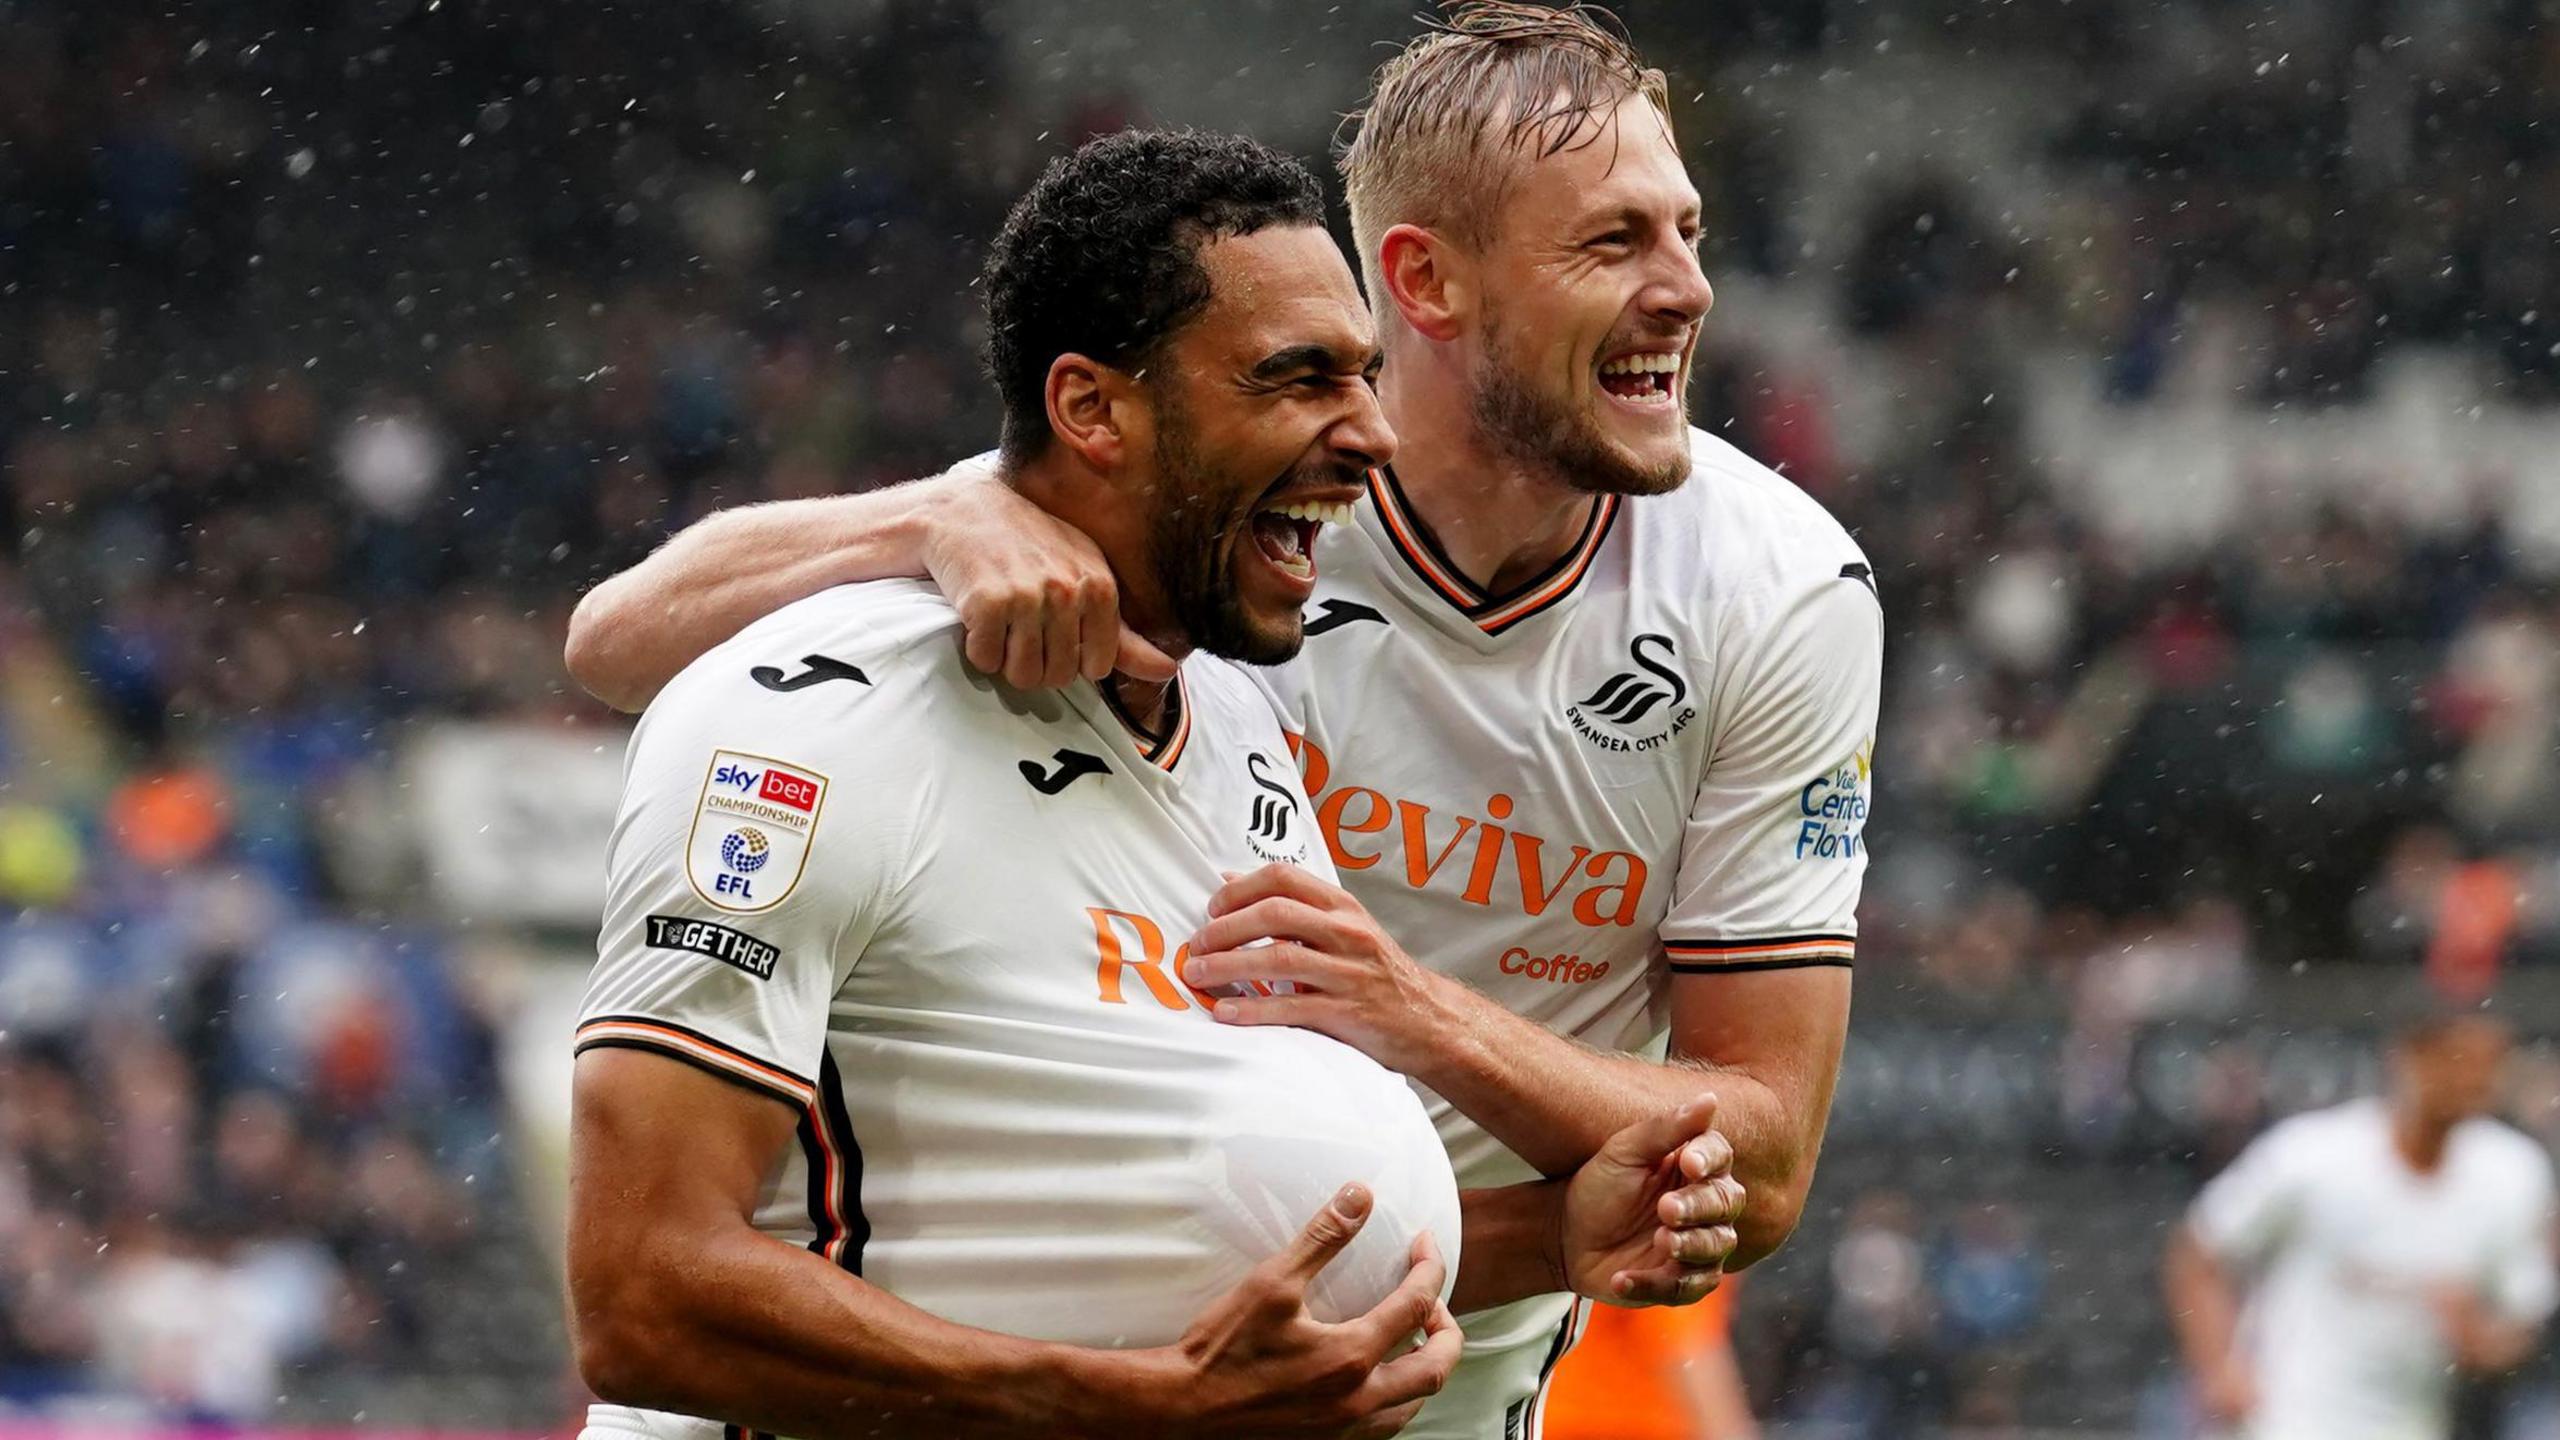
x,y
1284,534
1647,378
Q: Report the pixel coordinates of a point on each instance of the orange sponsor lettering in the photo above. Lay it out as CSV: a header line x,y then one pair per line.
x,y
1417,820
1167,989
1554,969
1586,906
1313,769
1611,882
1331,820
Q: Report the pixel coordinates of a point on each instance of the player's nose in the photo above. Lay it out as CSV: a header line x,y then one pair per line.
x,y
1362,436
1680,291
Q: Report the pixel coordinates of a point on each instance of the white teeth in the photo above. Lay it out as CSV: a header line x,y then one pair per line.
x,y
1662,363
1322,514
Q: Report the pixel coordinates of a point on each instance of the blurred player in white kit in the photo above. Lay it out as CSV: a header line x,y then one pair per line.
x,y
1589,696
895,1111
2335,1280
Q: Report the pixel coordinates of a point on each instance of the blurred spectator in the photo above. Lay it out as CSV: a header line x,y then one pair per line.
x,y
1990,1280
1882,1324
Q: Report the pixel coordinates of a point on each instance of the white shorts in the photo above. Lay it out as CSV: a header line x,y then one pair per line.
x,y
1500,1386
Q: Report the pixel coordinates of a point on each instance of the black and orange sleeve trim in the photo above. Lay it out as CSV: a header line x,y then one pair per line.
x,y
833,1157
834,1163
1768,952
678,1042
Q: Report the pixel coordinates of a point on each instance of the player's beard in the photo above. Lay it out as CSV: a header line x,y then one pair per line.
x,y
1539,429
1196,537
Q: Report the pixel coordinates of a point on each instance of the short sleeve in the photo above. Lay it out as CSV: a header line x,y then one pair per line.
x,y
2244,1212
748,865
1774,851
2524,1288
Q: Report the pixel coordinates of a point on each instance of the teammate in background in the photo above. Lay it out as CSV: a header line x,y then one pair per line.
x,y
2385,1246
1588,699
1654,1374
892,1112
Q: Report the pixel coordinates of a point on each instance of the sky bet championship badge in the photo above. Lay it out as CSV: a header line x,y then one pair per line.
x,y
751,831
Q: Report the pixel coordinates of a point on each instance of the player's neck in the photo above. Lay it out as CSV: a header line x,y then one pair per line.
x,y
2420,1141
1148,703
1120,530
1501,521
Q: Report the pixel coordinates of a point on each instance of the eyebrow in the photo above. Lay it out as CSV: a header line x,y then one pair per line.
x,y
1295,358
1635,215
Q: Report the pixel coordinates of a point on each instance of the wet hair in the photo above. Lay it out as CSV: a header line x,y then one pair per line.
x,y
1451,116
1102,257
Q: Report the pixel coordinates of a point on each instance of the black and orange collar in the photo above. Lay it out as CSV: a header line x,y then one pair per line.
x,y
1492,614
1161,749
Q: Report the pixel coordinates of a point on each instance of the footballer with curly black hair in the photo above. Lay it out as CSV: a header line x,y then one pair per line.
x,y
892,1115
1178,291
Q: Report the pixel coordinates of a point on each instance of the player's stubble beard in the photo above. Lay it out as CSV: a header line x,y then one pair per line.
x,y
1540,430
1196,533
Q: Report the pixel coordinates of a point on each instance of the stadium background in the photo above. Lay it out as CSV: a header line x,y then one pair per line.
x,y
2187,367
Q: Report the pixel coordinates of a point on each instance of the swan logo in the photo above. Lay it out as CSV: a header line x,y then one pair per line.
x,y
1639,708
1271,826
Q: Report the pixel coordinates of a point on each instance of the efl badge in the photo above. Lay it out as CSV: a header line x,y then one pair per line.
x,y
751,831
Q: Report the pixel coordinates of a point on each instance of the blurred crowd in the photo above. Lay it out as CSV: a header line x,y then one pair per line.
x,y
244,1152
2325,733
1908,1324
341,347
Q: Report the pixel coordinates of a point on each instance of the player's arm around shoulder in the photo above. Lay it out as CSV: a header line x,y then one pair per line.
x,y
1039,602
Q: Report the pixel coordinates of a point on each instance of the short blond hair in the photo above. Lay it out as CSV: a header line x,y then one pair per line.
x,y
1450,115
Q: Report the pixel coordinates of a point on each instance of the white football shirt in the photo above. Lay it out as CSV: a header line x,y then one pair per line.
x,y
2347,1244
932,915
1653,758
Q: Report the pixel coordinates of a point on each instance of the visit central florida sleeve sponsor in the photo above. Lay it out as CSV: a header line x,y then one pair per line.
x,y
1774,851
744,871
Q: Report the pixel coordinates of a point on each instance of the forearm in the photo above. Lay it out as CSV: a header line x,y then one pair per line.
x,y
748,1330
1511,1245
630,635
1553,1102
2203,1311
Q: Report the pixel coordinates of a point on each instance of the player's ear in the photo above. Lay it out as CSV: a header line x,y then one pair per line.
x,y
1428,281
1089,409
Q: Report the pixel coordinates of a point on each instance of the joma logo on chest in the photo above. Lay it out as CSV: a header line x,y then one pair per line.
x,y
1607,886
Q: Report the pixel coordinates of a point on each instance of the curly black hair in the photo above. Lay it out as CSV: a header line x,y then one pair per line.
x,y
1101,257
